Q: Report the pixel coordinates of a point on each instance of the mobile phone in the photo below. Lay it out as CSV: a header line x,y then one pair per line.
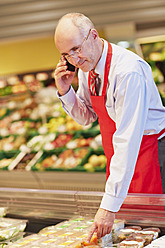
x,y
70,66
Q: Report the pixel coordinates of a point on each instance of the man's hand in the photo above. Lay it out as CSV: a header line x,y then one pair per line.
x,y
63,77
103,223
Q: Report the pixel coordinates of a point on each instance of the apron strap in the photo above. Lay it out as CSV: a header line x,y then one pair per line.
x,y
161,132
106,72
107,68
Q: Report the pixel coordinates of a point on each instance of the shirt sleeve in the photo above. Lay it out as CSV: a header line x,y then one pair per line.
x,y
131,107
78,105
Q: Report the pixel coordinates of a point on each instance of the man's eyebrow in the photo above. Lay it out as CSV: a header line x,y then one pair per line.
x,y
72,49
64,54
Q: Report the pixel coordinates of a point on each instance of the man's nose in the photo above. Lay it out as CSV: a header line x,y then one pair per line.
x,y
76,59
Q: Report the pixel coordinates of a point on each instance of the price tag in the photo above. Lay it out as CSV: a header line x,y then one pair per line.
x,y
16,160
33,161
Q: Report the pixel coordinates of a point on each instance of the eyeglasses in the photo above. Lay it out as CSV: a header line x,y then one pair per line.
x,y
77,50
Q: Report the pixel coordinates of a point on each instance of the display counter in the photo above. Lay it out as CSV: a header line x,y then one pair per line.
x,y
47,207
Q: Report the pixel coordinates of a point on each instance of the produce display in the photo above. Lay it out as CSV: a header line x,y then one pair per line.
x,y
36,134
67,160
154,54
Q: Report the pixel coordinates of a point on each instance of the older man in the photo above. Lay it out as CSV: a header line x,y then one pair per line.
x,y
116,86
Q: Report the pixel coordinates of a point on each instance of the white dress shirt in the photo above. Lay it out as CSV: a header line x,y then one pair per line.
x,y
133,102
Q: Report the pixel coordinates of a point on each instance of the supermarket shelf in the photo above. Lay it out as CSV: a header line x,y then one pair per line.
x,y
79,181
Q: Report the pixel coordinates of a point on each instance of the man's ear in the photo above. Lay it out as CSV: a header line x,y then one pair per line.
x,y
94,33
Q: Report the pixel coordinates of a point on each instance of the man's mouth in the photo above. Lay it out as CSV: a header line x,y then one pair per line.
x,y
80,63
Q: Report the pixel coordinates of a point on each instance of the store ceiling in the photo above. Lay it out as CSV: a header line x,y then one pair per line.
x,y
26,18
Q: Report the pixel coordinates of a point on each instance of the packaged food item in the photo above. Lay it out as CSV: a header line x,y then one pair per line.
x,y
81,228
64,225
11,227
134,228
129,244
72,235
48,242
146,235
94,246
90,221
50,233
107,241
70,243
3,211
118,225
78,219
152,230
94,240
12,240
125,232
133,241
25,242
69,235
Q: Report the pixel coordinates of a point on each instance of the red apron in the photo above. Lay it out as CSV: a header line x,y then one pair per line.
x,y
147,176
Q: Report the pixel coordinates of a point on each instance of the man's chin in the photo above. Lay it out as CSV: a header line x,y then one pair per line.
x,y
85,68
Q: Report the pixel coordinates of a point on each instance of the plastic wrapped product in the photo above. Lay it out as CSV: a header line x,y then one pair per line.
x,y
129,244
48,242
148,236
135,228
125,232
83,238
70,243
3,211
55,233
11,227
25,242
48,233
73,235
94,246
118,225
81,228
65,225
12,240
90,221
77,219
107,241
133,240
152,230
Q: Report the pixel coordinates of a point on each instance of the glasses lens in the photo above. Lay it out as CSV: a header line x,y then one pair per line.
x,y
71,56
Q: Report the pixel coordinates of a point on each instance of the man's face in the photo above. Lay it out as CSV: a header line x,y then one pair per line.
x,y
78,49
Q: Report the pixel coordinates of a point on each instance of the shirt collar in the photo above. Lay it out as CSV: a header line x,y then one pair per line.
x,y
101,64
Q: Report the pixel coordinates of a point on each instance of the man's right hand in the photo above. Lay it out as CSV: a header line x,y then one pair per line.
x,y
63,77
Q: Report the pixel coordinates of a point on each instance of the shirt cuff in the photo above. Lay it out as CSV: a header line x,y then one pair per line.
x,y
68,98
111,203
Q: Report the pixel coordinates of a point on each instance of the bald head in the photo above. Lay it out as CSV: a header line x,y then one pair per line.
x,y
82,22
76,31
72,24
